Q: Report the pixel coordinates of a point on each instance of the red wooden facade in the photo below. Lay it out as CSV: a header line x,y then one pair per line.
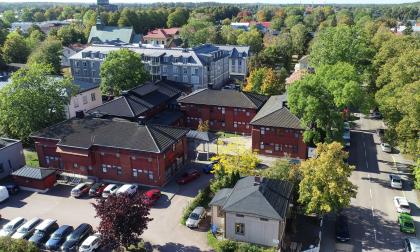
x,y
130,166
280,142
39,184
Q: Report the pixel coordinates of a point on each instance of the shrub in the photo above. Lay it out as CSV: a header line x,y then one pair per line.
x,y
11,245
139,247
227,246
202,199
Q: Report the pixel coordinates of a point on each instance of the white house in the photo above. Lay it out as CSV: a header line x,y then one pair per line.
x,y
69,51
88,97
254,211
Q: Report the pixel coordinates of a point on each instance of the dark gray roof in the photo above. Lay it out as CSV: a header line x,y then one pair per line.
x,y
33,173
225,98
269,198
202,136
220,198
4,142
87,132
273,114
139,100
166,117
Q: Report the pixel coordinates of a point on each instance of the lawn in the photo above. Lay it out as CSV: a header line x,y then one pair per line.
x,y
221,134
31,158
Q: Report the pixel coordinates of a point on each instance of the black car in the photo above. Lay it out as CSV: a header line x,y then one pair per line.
x,y
342,229
58,237
76,237
43,232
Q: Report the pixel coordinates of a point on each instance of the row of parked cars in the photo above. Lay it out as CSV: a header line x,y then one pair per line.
x,y
48,235
104,190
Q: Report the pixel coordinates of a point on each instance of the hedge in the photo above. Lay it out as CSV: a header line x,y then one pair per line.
x,y
11,245
234,246
203,199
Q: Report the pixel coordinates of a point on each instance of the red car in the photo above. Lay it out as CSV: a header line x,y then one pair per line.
x,y
97,189
188,177
151,196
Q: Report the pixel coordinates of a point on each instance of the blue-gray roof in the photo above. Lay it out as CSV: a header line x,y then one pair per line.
x,y
33,173
267,198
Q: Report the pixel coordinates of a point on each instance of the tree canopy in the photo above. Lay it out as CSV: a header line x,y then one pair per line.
x,y
266,81
122,70
234,158
325,185
15,49
32,101
48,52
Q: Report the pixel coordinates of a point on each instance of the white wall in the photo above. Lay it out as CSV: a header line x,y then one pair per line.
x,y
67,53
219,221
78,102
256,230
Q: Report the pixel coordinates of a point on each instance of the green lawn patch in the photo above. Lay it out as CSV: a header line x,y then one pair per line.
x,y
221,134
31,158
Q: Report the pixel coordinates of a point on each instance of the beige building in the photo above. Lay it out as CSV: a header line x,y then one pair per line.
x,y
254,211
89,97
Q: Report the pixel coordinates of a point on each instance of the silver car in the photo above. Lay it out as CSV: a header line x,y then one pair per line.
x,y
396,181
12,226
26,230
195,217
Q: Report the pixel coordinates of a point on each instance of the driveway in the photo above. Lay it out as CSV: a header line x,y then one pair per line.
x,y
164,232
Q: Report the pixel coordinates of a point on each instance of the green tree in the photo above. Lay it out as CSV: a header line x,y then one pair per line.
x,y
15,49
300,38
9,17
32,101
230,35
283,170
266,81
39,16
122,70
70,34
48,52
325,185
34,39
292,20
253,38
198,32
235,158
178,18
341,43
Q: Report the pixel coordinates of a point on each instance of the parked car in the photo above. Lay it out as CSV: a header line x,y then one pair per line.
x,y
13,189
342,229
81,189
386,147
4,193
91,243
109,189
406,223
402,205
188,177
27,229
58,237
97,189
151,196
43,232
411,245
76,237
195,217
129,189
395,181
12,226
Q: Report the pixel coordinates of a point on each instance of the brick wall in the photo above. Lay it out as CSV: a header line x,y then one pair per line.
x,y
279,142
228,119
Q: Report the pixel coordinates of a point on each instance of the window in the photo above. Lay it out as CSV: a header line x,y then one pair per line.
x,y
175,69
164,69
93,96
262,130
119,170
223,110
276,147
76,102
173,147
195,71
93,73
262,146
150,175
240,62
296,134
135,173
235,124
166,59
85,100
263,219
185,70
104,168
75,165
84,63
248,114
185,78
240,228
77,64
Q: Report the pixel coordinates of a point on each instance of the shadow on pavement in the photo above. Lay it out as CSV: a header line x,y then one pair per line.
x,y
357,152
16,201
163,202
60,191
373,232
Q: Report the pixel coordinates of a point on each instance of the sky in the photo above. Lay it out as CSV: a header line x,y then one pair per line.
x,y
238,1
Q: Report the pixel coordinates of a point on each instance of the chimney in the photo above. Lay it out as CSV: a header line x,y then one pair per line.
x,y
284,104
124,93
141,120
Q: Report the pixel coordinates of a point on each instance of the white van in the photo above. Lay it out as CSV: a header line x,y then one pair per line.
x,y
128,189
4,194
90,244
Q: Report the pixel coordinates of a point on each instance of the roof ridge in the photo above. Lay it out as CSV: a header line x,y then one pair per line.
x,y
265,115
193,93
129,106
152,136
249,99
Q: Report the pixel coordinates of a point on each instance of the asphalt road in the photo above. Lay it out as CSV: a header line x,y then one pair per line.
x,y
372,215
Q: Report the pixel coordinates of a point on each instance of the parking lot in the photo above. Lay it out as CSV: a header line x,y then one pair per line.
x,y
165,233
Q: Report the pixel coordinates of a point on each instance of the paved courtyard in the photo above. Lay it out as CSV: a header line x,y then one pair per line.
x,y
165,232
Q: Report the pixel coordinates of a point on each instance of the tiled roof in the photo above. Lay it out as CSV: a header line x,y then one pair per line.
x,y
139,100
87,132
274,114
268,198
225,98
162,33
166,117
33,173
111,33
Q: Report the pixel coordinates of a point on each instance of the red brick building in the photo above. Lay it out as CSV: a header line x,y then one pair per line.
x,y
277,132
40,179
113,150
225,110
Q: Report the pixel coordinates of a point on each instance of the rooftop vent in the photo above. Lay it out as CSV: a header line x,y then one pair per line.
x,y
141,120
257,180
